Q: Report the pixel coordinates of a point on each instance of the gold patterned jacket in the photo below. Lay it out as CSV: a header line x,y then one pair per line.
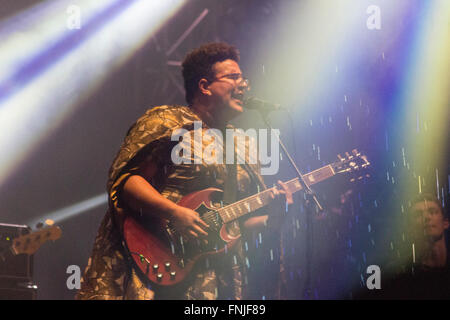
x,y
110,273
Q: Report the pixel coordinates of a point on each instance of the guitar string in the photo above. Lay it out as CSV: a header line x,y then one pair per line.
x,y
228,207
251,199
211,215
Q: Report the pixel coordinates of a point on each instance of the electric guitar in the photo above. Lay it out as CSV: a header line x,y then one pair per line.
x,y
165,258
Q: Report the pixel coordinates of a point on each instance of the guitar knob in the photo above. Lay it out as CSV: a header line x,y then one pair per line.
x,y
155,267
159,276
172,275
167,265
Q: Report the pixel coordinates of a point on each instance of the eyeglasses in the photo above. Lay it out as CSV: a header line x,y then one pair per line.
x,y
237,78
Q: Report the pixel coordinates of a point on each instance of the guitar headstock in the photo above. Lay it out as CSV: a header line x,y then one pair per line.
x,y
30,243
351,163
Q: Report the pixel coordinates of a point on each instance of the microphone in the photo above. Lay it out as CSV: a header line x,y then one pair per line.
x,y
261,105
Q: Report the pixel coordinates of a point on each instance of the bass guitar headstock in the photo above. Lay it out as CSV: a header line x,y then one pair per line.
x,y
30,243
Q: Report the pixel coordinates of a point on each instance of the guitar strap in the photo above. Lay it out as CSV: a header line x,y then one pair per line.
x,y
229,194
233,277
230,187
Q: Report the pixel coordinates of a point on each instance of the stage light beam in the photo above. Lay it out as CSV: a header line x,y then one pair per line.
x,y
51,70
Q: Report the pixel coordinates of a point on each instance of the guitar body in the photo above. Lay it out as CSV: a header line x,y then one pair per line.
x,y
162,255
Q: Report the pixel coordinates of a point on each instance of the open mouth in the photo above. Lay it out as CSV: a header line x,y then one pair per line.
x,y
239,101
239,98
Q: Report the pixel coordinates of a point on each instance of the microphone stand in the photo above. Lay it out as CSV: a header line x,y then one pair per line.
x,y
310,194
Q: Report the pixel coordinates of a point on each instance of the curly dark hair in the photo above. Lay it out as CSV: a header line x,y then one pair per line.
x,y
198,64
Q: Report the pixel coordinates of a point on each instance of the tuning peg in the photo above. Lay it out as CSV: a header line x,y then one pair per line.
x,y
39,225
340,157
49,222
348,155
366,162
355,152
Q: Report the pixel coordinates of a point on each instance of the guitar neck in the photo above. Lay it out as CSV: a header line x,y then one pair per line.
x,y
250,204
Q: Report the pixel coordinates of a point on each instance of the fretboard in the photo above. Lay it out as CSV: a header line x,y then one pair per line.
x,y
250,204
